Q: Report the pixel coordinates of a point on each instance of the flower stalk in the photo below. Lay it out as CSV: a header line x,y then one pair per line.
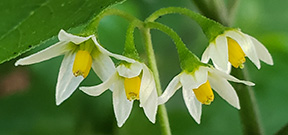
x,y
210,27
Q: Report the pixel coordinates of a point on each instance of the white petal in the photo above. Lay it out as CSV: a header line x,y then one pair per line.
x,y
48,53
67,82
193,81
64,36
214,72
150,106
224,89
262,52
103,50
99,89
122,106
172,87
147,84
220,53
206,54
132,71
246,45
193,105
103,66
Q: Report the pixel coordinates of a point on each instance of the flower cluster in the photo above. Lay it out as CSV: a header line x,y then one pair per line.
x,y
132,80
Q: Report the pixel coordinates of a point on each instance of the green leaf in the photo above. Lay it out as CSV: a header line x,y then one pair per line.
x,y
27,23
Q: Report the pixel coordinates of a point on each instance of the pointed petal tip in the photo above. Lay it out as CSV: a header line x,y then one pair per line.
x,y
16,63
238,107
198,121
250,84
153,120
120,124
58,102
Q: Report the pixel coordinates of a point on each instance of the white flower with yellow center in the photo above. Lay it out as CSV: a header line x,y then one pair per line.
x,y
80,54
131,81
196,89
231,48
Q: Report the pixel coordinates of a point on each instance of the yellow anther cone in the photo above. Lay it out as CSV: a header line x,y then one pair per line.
x,y
235,53
82,63
132,87
204,93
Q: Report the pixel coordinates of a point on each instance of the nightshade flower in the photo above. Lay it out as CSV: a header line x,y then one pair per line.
x,y
80,54
231,47
131,81
196,89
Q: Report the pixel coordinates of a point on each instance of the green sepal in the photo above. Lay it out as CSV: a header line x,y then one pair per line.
x,y
130,50
189,62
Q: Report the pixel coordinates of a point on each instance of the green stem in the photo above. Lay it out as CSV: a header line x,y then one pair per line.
x,y
92,27
162,112
188,60
249,112
210,28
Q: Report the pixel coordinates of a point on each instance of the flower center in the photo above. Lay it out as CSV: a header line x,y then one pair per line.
x,y
204,93
132,87
82,63
236,54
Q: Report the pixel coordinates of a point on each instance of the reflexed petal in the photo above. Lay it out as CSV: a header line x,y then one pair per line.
x,y
64,36
48,53
122,106
262,52
132,71
147,84
103,66
224,89
67,82
103,50
193,81
216,72
150,106
172,87
99,89
193,105
246,45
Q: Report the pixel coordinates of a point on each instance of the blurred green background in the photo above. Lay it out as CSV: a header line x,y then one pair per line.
x,y
27,93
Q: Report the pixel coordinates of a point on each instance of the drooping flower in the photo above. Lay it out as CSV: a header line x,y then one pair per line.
x,y
80,54
131,81
196,89
231,48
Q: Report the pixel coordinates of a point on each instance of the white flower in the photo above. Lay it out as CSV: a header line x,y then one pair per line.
x,y
127,87
80,53
231,47
197,89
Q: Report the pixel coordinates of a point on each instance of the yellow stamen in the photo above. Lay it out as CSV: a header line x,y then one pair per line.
x,y
82,63
235,54
204,93
132,87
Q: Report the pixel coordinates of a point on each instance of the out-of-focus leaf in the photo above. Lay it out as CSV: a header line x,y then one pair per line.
x,y
27,23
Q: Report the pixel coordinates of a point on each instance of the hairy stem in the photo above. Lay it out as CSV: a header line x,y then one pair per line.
x,y
162,112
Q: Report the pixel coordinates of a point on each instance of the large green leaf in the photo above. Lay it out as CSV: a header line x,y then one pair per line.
x,y
27,23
